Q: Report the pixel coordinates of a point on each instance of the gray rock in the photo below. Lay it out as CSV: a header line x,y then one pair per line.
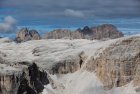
x,y
119,64
34,35
24,35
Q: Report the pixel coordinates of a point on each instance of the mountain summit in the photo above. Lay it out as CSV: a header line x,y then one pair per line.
x,y
24,35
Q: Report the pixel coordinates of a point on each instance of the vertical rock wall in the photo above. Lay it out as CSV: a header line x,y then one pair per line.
x,y
30,81
118,64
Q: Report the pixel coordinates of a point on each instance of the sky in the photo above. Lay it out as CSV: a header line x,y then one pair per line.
x,y
46,15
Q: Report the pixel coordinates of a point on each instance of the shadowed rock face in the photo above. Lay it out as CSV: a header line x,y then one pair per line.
x,y
25,35
86,30
104,31
29,81
33,82
68,66
24,86
34,34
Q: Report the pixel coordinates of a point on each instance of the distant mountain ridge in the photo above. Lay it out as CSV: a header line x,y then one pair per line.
x,y
99,32
104,31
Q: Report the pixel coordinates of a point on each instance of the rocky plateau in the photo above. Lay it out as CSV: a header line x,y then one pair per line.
x,y
70,66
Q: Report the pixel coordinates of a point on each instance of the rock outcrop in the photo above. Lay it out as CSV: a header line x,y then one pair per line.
x,y
9,75
105,31
34,35
22,80
32,81
24,35
119,64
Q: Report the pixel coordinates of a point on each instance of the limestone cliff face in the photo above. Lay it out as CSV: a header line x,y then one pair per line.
x,y
9,84
24,35
69,66
30,80
118,64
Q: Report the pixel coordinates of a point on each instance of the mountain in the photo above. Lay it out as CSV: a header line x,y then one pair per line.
x,y
77,66
64,34
104,31
24,35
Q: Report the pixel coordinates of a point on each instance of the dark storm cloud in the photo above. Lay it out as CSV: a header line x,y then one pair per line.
x,y
67,12
92,8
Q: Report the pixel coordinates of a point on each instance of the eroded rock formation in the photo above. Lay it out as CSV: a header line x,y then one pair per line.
x,y
33,80
24,35
68,66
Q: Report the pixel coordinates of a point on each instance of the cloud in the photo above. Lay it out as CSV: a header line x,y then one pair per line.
x,y
8,25
51,8
49,11
74,13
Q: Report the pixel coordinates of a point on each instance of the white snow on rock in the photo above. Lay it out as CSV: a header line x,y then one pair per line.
x,y
9,70
47,53
84,82
4,40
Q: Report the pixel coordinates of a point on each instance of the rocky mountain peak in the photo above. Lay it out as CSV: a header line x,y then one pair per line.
x,y
106,31
86,28
24,35
34,34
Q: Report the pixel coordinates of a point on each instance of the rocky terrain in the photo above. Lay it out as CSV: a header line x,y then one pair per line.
x,y
105,31
64,66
